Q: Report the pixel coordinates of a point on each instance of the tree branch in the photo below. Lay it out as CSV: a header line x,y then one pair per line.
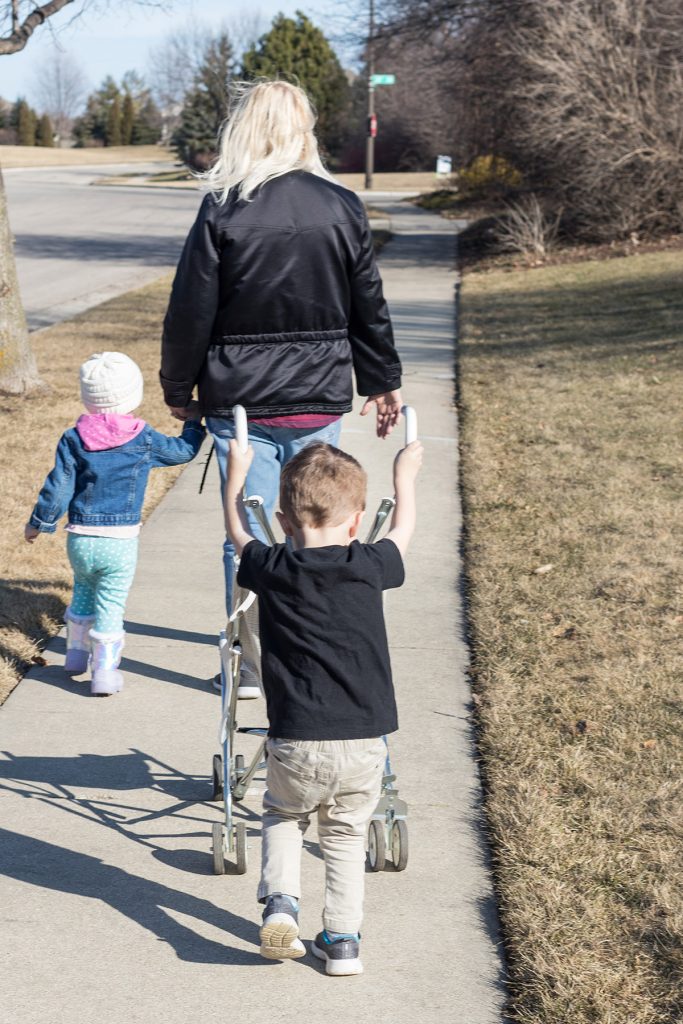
x,y
21,34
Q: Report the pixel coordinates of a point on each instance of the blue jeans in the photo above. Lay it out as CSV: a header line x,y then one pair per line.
x,y
273,446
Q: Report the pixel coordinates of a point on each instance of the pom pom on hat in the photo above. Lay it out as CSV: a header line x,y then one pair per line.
x,y
111,382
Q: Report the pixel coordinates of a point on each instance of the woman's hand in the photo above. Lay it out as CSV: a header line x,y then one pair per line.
x,y
180,413
30,533
388,411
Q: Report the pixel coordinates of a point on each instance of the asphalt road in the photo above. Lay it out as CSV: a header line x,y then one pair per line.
x,y
78,244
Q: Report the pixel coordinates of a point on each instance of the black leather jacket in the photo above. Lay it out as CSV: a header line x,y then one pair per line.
x,y
275,300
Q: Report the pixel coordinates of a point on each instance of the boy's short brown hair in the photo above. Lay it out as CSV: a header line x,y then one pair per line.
x,y
321,486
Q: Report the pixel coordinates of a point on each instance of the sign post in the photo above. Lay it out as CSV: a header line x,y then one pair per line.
x,y
373,80
372,117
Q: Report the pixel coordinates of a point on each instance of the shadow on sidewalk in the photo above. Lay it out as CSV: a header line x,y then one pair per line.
x,y
165,632
53,675
147,903
59,782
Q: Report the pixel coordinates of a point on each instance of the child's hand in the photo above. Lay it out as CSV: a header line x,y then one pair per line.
x,y
239,463
193,411
407,463
30,533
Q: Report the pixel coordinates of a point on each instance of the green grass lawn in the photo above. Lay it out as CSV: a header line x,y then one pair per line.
x,y
570,383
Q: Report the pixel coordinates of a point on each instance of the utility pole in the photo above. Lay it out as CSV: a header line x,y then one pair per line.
x,y
372,118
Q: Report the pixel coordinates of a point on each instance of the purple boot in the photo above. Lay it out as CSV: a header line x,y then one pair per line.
x,y
105,658
77,642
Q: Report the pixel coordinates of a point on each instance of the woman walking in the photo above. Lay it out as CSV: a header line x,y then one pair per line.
x,y
277,301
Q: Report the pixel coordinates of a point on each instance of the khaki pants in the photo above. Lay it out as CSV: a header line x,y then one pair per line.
x,y
341,780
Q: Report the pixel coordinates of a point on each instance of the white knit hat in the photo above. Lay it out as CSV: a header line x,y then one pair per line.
x,y
111,382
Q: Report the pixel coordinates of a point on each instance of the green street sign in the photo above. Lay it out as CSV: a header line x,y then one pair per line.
x,y
383,80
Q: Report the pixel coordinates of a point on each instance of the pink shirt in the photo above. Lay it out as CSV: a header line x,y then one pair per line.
x,y
305,420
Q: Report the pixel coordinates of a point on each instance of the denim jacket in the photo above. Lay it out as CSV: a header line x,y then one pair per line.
x,y
107,488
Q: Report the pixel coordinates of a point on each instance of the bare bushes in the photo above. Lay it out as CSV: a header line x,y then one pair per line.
x,y
584,97
599,107
527,229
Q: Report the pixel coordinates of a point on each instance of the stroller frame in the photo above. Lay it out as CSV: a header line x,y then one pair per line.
x,y
231,777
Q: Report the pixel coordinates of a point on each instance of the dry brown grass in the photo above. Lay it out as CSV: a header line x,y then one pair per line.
x,y
36,578
414,181
41,156
392,181
571,381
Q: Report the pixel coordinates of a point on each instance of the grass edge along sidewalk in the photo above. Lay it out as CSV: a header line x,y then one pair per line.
x,y
570,384
37,578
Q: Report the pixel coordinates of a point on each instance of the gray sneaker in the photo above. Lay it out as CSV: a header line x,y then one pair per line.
x,y
280,930
342,956
249,687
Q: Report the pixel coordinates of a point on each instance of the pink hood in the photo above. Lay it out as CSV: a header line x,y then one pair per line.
x,y
102,430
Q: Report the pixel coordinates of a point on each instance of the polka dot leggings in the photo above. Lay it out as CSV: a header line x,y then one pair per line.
x,y
103,568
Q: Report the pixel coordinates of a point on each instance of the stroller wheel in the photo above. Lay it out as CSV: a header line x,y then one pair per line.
x,y
217,777
218,856
399,844
377,846
241,847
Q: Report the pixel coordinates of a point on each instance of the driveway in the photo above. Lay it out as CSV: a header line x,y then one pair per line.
x,y
78,244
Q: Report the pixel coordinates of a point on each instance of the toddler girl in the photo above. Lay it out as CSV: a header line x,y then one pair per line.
x,y
100,475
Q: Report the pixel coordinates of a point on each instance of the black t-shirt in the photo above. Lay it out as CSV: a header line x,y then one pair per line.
x,y
324,651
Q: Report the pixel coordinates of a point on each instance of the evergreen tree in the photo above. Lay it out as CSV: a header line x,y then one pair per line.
x,y
119,116
206,105
113,132
127,120
298,51
45,132
147,123
24,121
96,124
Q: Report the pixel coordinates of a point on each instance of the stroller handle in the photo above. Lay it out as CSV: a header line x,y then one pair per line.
x,y
241,429
242,432
411,423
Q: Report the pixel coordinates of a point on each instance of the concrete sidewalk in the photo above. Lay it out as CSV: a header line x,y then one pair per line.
x,y
111,913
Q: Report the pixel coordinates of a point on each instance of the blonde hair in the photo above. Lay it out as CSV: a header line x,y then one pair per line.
x,y
321,486
268,133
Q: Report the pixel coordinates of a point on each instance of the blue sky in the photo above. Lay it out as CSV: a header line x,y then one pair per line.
x,y
109,39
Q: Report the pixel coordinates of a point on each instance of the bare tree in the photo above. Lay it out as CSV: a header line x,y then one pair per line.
x,y
173,65
60,88
585,97
19,20
599,102
418,115
244,29
18,372
176,62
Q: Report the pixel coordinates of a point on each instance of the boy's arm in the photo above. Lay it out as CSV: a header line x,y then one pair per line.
x,y
406,467
236,522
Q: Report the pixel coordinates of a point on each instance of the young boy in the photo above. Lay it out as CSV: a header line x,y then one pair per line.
x,y
327,678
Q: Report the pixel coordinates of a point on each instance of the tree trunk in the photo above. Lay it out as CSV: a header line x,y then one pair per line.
x,y
18,371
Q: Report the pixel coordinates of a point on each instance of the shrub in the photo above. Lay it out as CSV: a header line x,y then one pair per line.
x,y
528,229
486,174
